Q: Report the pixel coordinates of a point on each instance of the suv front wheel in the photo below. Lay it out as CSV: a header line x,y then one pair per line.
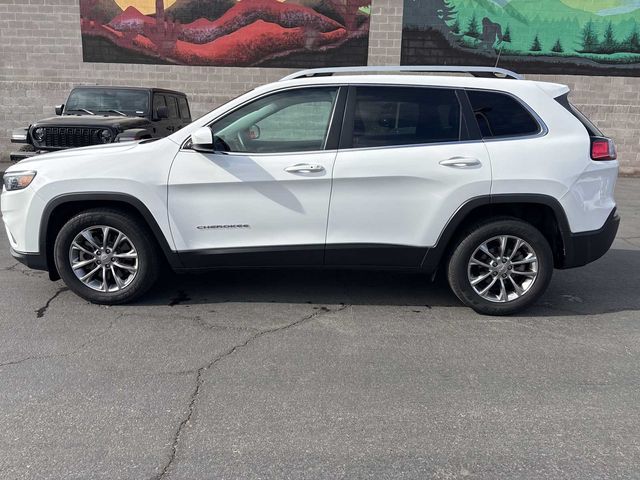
x,y
105,257
501,267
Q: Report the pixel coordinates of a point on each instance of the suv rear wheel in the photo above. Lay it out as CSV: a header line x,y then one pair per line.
x,y
501,267
105,257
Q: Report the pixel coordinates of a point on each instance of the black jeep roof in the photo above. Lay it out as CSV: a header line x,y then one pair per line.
x,y
146,89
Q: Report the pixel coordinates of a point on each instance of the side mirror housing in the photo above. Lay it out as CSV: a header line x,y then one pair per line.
x,y
59,109
202,140
162,112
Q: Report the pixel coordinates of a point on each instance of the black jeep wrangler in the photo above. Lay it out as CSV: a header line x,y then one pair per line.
x,y
98,115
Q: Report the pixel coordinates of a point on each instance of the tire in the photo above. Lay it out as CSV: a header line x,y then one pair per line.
x,y
130,269
529,268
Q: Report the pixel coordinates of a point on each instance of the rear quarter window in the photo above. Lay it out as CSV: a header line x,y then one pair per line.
x,y
500,115
593,130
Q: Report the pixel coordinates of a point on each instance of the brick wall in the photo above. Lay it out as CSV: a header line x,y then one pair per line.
x,y
41,60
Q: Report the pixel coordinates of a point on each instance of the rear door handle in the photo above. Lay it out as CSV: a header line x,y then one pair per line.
x,y
304,168
461,162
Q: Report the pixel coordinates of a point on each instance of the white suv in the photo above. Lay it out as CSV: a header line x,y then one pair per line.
x,y
495,179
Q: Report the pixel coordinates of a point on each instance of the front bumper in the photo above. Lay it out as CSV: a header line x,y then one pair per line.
x,y
586,247
34,261
17,156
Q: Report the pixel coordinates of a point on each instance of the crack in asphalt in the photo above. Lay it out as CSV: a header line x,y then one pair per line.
x,y
24,271
202,370
66,354
40,312
202,323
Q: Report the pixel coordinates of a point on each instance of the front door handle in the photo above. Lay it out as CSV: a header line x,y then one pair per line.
x,y
461,162
304,168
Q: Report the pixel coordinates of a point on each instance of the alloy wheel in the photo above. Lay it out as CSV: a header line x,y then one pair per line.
x,y
503,268
103,258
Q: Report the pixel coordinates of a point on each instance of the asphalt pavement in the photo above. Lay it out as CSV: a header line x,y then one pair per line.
x,y
307,374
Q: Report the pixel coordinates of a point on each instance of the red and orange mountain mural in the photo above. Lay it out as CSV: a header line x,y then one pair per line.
x,y
243,33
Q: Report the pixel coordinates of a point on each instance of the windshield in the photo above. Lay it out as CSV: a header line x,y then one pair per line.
x,y
108,100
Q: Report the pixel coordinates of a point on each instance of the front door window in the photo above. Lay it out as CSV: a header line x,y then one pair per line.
x,y
289,121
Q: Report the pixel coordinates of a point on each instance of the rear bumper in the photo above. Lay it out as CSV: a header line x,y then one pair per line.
x,y
586,247
34,261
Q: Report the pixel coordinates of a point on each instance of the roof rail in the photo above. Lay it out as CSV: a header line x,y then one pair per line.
x,y
475,71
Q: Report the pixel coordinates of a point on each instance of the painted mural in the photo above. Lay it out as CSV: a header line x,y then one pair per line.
x,y
266,33
593,37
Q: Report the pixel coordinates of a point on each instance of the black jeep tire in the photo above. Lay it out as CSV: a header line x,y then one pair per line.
x,y
136,238
512,269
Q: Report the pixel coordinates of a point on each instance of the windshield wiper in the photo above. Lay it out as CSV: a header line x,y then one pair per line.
x,y
118,112
81,110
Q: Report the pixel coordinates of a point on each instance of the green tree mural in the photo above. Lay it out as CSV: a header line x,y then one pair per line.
x,y
632,42
609,44
536,46
455,27
507,35
590,41
473,30
585,35
448,11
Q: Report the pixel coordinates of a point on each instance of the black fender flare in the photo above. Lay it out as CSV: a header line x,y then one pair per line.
x,y
434,255
133,134
104,198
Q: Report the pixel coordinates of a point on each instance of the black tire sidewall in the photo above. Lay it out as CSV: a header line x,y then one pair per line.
x,y
457,267
147,259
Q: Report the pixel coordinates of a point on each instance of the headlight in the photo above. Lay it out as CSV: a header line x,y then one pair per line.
x,y
18,180
38,134
105,135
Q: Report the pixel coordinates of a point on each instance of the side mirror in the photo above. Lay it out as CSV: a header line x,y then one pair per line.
x,y
162,112
59,109
202,140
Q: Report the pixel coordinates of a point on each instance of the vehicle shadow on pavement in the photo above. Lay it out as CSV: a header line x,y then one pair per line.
x,y
606,286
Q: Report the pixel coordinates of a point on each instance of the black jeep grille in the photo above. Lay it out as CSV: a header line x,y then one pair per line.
x,y
68,137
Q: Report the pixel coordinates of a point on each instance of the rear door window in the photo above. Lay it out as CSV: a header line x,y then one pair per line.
x,y
388,116
172,103
184,108
158,101
501,115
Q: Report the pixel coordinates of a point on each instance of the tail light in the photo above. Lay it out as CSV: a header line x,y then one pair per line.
x,y
603,148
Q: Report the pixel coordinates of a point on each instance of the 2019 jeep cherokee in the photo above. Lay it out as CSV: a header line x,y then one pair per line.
x,y
498,180
99,115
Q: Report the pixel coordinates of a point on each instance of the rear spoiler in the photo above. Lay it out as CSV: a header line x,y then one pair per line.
x,y
554,90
